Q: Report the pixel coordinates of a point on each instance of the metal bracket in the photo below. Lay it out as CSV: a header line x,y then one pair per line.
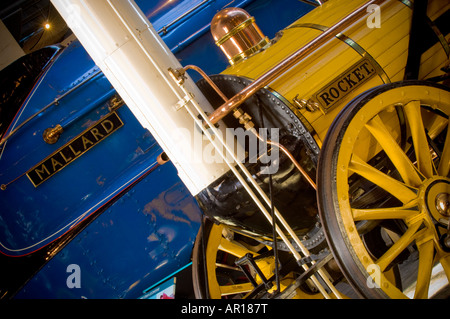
x,y
178,75
308,105
290,291
182,103
249,261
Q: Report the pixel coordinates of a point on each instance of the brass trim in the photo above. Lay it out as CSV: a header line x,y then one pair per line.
x,y
52,134
247,53
339,87
235,31
64,158
351,43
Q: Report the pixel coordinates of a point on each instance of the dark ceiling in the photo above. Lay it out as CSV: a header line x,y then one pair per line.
x,y
25,19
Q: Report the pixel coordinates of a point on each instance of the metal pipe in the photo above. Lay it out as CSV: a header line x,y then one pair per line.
x,y
289,62
281,147
290,156
207,79
164,28
243,182
218,143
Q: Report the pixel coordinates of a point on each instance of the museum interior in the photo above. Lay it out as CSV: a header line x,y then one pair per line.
x,y
224,149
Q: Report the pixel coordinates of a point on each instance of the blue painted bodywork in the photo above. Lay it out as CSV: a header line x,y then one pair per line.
x,y
138,220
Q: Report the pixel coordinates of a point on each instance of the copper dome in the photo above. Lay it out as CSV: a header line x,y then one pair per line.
x,y
237,34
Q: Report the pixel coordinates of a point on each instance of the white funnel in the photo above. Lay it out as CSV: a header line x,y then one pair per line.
x,y
133,57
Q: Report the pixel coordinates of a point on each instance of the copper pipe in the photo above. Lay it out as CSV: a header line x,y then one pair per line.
x,y
162,158
290,156
281,147
296,164
207,79
289,62
263,210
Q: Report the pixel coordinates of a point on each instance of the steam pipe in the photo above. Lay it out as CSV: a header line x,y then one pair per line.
x,y
177,76
289,62
207,79
290,156
281,147
270,217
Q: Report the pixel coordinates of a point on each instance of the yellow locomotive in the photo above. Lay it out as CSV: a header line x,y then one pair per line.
x,y
349,196
358,104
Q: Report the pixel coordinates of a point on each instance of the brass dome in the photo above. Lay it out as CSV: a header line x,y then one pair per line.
x,y
237,34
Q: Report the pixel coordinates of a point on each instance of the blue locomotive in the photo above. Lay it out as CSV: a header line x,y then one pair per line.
x,y
86,210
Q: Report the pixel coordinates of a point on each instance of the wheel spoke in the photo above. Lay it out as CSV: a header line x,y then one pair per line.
x,y
426,254
389,184
389,167
406,239
404,166
384,213
234,248
444,164
226,290
419,137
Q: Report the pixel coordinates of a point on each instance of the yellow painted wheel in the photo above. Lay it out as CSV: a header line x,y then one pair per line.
x,y
215,275
221,278
383,189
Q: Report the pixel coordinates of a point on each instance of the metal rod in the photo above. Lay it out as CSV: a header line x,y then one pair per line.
x,y
289,62
164,28
275,212
207,79
217,142
280,146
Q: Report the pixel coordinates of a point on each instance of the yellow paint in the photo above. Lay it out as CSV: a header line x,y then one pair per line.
x,y
388,45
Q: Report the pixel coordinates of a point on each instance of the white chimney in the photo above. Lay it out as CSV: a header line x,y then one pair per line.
x,y
133,57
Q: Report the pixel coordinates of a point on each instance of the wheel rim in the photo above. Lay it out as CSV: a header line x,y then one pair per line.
x,y
421,186
224,278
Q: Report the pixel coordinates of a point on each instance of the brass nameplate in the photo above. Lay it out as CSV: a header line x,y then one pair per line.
x,y
74,149
343,84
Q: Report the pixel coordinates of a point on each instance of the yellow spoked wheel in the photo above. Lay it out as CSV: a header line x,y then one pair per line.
x,y
215,274
383,189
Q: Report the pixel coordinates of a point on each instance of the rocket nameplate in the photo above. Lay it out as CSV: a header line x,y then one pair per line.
x,y
343,84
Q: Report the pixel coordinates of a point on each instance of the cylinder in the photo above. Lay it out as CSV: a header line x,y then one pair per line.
x,y
358,57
